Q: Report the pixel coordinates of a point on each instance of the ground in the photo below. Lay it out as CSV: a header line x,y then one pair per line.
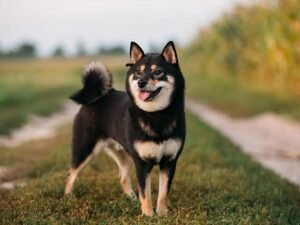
x,y
41,86
269,138
214,184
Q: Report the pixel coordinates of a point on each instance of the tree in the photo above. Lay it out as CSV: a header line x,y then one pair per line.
x,y
154,47
81,50
58,52
26,50
113,50
23,50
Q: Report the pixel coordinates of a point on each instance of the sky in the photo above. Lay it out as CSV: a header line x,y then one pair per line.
x,y
105,22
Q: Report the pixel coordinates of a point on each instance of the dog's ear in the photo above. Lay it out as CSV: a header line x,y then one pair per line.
x,y
136,53
169,53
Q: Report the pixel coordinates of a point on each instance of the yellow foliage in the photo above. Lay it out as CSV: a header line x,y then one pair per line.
x,y
258,45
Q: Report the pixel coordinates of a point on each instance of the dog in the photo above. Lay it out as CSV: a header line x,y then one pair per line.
x,y
144,126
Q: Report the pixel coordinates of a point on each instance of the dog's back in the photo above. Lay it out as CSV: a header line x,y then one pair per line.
x,y
104,118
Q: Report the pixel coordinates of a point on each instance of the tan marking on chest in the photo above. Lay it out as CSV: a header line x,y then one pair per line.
x,y
147,129
152,150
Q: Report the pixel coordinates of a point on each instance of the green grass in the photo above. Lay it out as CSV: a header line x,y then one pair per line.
x,y
214,184
40,86
236,99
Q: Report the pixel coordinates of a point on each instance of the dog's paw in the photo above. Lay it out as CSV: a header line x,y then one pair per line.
x,y
147,210
162,211
68,191
148,213
131,195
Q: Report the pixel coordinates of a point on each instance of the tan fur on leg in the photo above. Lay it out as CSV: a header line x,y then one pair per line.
x,y
124,163
162,201
146,200
72,175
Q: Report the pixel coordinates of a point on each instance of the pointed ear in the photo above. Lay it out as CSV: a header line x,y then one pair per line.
x,y
136,53
169,53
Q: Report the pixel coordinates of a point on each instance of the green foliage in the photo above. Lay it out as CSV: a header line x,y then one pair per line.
x,y
81,49
257,46
214,184
58,52
113,50
24,50
232,64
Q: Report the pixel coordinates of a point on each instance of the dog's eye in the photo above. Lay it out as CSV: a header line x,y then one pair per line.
x,y
158,72
138,72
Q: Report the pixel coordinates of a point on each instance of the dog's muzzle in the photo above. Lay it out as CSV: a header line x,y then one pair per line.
x,y
142,83
148,96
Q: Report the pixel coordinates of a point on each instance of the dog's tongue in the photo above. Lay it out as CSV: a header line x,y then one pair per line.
x,y
143,95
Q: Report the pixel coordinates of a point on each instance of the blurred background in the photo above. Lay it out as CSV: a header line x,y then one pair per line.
x,y
44,45
240,58
246,51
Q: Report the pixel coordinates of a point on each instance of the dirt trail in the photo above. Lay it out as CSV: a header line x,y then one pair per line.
x,y
36,128
39,127
270,139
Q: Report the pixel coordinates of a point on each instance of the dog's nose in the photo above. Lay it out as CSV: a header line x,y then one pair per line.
x,y
142,83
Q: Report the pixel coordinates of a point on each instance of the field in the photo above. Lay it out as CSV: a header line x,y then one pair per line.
x,y
40,86
215,183
238,99
247,62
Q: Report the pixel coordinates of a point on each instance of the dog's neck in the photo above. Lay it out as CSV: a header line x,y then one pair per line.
x,y
159,123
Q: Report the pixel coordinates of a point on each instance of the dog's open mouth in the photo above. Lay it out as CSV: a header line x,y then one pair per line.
x,y
147,96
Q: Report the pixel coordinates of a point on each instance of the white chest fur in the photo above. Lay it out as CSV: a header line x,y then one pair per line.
x,y
152,150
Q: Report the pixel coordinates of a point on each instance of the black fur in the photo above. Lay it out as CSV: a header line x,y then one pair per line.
x,y
97,83
113,114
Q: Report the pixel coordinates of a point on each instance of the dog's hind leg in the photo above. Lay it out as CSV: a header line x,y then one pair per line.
x,y
124,162
82,147
73,173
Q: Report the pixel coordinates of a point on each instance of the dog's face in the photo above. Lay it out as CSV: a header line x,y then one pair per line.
x,y
152,78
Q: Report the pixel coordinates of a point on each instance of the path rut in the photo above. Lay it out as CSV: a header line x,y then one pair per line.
x,y
270,139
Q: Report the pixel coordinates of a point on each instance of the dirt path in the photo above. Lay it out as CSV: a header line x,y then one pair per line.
x,y
39,127
36,128
270,139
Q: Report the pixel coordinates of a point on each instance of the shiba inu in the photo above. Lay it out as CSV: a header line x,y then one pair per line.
x,y
144,126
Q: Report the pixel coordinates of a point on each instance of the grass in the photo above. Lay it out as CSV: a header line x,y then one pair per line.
x,y
237,98
245,62
214,184
40,86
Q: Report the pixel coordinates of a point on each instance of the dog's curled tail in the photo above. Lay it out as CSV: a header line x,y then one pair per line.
x,y
97,82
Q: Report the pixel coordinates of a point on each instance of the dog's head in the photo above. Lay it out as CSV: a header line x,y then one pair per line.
x,y
153,79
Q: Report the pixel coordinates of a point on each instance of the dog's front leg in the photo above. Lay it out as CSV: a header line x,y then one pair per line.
x,y
166,174
143,170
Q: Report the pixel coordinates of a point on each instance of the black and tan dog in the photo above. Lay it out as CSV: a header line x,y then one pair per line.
x,y
144,125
